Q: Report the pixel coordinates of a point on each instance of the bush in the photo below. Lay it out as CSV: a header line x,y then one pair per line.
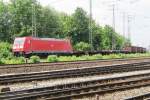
x,y
34,59
5,50
14,60
97,56
111,56
63,58
85,57
21,60
1,62
73,58
123,56
82,46
114,56
52,58
68,58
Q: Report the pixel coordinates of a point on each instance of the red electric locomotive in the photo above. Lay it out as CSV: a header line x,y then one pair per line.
x,y
33,45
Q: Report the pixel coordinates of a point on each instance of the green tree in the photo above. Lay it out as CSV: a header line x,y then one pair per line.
x,y
49,23
5,50
65,25
82,46
113,38
98,37
108,33
79,27
22,12
120,42
16,19
5,23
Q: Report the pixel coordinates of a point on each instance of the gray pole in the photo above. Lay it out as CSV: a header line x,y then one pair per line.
x,y
114,16
129,38
124,23
113,24
33,21
90,26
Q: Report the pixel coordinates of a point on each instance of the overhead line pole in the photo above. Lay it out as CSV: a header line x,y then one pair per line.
x,y
113,25
124,15
90,26
114,16
129,34
33,20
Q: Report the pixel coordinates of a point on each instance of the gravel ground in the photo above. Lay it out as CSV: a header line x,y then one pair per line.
x,y
119,95
53,82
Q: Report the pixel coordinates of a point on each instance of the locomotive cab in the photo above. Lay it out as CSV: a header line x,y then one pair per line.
x,y
19,46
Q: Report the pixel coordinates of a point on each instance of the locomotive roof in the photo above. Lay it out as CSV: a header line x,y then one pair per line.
x,y
44,38
54,39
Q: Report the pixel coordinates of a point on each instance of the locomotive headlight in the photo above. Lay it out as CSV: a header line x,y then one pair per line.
x,y
14,47
21,47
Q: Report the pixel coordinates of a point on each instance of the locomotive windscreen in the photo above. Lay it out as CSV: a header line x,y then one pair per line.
x,y
19,42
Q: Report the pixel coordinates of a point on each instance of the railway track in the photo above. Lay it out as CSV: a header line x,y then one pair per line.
x,y
79,89
140,97
109,69
27,68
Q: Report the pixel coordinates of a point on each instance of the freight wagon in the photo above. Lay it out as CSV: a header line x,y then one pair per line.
x,y
33,45
134,49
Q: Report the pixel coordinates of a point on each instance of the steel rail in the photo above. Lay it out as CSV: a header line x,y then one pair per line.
x,y
7,79
140,97
79,88
28,68
67,62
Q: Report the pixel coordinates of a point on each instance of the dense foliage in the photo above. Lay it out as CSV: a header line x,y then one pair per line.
x,y
34,59
52,58
82,46
95,57
5,50
19,18
8,58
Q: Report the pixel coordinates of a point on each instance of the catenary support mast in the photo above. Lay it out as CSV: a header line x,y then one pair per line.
x,y
90,26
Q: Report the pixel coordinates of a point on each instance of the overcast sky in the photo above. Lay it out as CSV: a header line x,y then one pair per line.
x,y
138,10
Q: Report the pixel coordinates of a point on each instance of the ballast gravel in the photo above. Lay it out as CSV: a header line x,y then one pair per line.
x,y
119,95
53,82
